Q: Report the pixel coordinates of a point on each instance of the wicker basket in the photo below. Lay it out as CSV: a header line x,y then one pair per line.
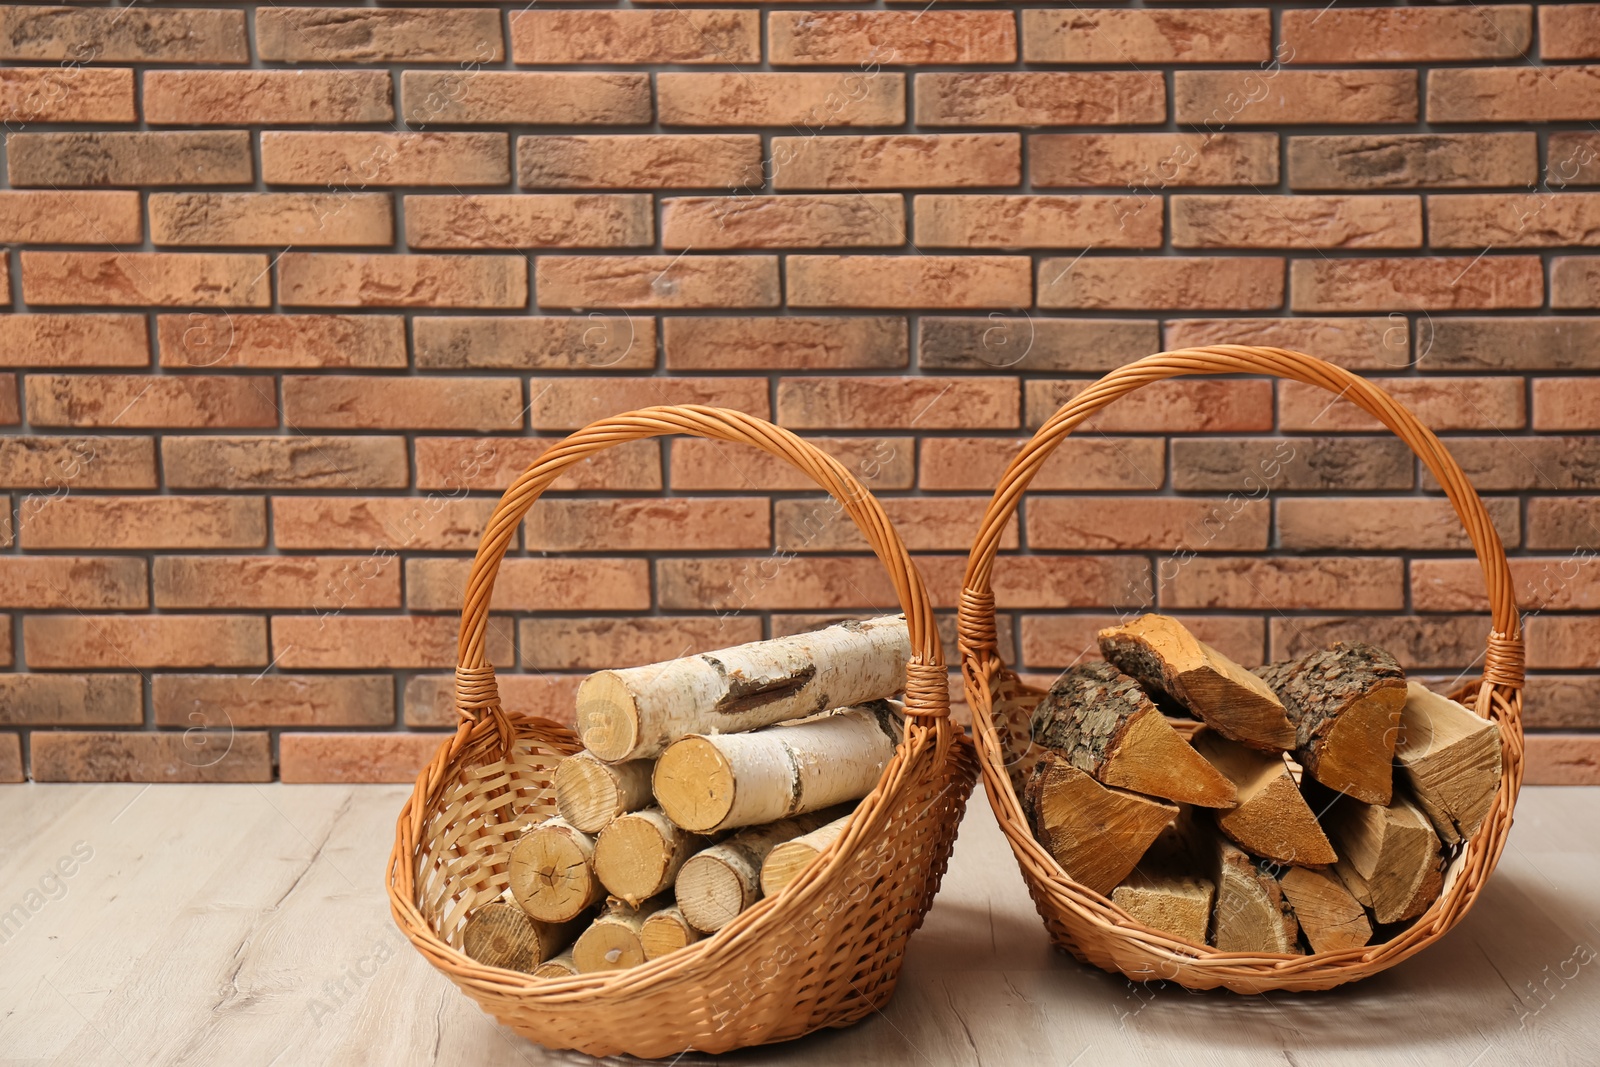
x,y
825,952
1087,924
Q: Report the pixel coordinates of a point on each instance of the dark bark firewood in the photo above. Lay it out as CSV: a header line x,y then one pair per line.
x,y
1452,760
1271,818
1096,834
1389,856
1345,703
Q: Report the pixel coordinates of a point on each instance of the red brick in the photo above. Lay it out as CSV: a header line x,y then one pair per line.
x,y
765,583
1513,94
1066,640
1041,98
432,523
755,98
1263,464
543,37
5,641
43,339
326,584
278,340
1552,583
1563,641
1436,283
1413,160
1356,343
1055,582
554,342
1079,463
597,644
1150,162
1140,36
65,94
1394,524
301,461
1566,403
359,402
923,402
430,699
255,700
1509,343
377,642
785,343
1563,522
1166,407
334,279
10,405
1127,283
1441,403
1562,759
1574,159
890,38
1569,31
134,522
1297,222
360,159
642,161
926,524
1406,35
657,281
1491,464
493,97
11,768
214,755
65,464
103,35
139,400
266,97
162,279
123,642
1514,220
1574,282
524,221
355,758
568,403
314,219
82,582
71,700
51,217
1028,344
1353,583
534,585
909,281
213,157
879,463
1554,701
845,220
357,35
1218,99
896,161
679,524
1232,524
1035,222
462,464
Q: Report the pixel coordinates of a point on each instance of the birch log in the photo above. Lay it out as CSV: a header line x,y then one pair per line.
x,y
637,712
719,882
723,781
666,931
1452,760
552,871
1271,818
1095,833
785,862
612,941
591,792
560,967
501,934
639,854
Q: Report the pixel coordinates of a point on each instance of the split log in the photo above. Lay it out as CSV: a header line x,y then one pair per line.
x,y
1333,919
1251,914
1345,704
719,882
639,854
722,781
1096,833
1163,892
560,967
501,934
612,941
591,792
639,711
666,931
785,862
1106,726
1389,857
552,871
1452,760
1271,818
1166,658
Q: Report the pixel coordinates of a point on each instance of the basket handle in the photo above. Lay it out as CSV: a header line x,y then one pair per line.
x,y
477,695
1503,662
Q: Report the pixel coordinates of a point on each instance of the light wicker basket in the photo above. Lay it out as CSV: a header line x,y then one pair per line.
x,y
825,952
1087,924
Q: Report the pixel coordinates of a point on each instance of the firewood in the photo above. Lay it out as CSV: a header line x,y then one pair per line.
x,y
1451,759
1389,856
719,882
1106,726
1333,919
666,931
1251,914
560,967
1345,703
1164,892
785,862
639,854
1166,658
611,943
552,871
1096,833
501,934
591,792
1271,818
722,781
639,711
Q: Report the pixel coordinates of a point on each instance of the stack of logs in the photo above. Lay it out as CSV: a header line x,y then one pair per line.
x,y
705,784
1281,815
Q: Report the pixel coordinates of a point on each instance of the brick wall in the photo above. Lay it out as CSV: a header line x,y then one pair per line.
x,y
293,292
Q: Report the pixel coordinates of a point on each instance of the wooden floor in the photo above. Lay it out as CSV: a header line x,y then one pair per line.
x,y
246,925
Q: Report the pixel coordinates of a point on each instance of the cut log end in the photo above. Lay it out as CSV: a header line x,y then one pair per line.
x,y
666,931
560,967
611,943
1389,857
638,855
1174,904
1356,755
591,792
1251,914
785,862
694,784
502,935
1153,759
712,892
608,720
551,871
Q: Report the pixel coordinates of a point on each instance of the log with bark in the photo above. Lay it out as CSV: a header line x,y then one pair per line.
x,y
1106,726
1166,658
639,711
591,792
552,871
611,943
1345,703
707,783
1389,856
1251,914
1096,833
1333,920
719,882
1271,818
501,934
785,862
1451,758
666,931
638,855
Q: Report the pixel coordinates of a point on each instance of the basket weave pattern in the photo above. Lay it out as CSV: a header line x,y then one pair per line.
x,y
825,952
1087,924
